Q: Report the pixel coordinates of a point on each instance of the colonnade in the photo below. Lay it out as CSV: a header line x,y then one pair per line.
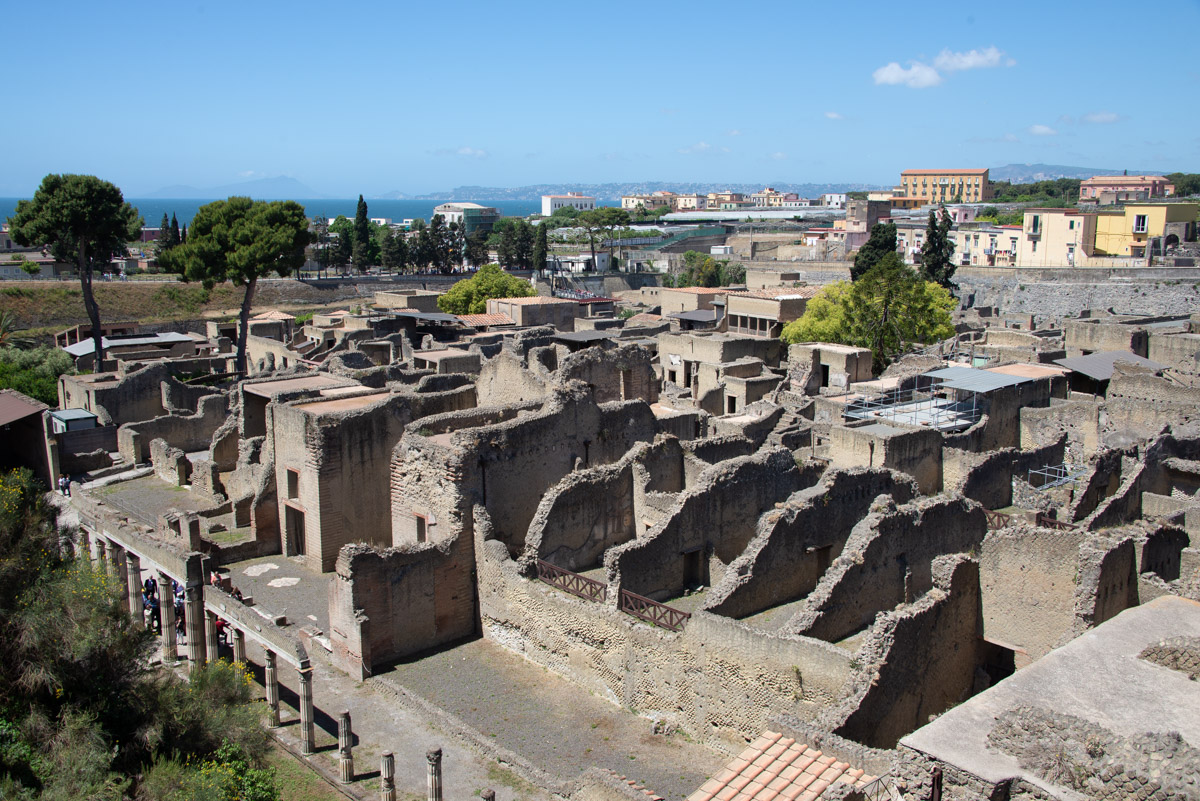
x,y
125,567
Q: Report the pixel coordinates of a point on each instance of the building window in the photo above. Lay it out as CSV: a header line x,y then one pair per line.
x,y
293,485
1035,224
1139,224
421,528
1071,225
1034,249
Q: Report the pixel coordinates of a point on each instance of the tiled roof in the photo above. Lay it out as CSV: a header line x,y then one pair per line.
x,y
698,290
16,406
475,320
274,315
532,301
974,171
775,293
777,768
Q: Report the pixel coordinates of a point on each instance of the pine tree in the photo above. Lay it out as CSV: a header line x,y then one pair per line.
x,y
176,237
362,237
881,242
937,254
541,248
164,231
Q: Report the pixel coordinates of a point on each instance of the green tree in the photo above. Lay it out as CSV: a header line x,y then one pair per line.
x,y
881,242
35,371
541,248
394,252
242,240
937,253
362,249
887,310
470,296
476,251
83,219
603,220
343,242
28,266
824,318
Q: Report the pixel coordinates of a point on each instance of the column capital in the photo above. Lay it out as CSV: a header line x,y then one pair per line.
x,y
434,756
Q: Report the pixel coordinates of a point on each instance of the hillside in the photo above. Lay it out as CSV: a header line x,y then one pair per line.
x,y
45,306
1032,173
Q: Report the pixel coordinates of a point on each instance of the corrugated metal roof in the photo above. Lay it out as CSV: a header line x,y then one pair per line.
x,y
698,316
84,347
973,380
1099,366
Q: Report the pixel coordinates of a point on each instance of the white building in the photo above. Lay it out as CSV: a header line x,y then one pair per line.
x,y
836,200
552,203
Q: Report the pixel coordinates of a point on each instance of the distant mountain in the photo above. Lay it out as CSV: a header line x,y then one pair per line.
x,y
1029,173
614,191
278,188
395,194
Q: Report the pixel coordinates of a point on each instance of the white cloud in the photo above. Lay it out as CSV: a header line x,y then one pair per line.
x,y
1042,130
733,132
949,61
462,152
1101,117
779,156
249,174
699,147
833,115
1010,138
919,75
915,76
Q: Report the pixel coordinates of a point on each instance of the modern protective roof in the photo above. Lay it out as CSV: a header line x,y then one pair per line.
x,y
432,317
87,346
72,414
1099,366
973,380
698,316
16,406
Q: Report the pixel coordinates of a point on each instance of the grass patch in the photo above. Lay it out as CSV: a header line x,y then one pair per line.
x,y
296,781
498,774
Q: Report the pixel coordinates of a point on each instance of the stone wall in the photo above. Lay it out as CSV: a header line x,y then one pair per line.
x,y
1028,579
915,451
1142,404
391,603
986,478
887,561
718,680
921,659
1047,293
794,545
715,520
188,432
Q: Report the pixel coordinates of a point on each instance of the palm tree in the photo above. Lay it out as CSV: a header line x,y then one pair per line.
x,y
10,332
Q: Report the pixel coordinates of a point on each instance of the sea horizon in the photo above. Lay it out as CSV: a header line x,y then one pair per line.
x,y
152,209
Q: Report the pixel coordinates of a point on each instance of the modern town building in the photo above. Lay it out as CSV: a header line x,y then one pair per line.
x,y
552,203
1149,186
835,200
924,187
471,215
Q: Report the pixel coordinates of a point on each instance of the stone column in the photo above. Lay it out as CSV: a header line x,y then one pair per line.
x,y
345,748
308,731
488,795
120,571
99,555
133,581
239,645
194,620
210,636
166,615
387,776
271,679
434,757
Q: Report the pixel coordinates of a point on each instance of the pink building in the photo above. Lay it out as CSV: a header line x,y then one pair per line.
x,y
1152,185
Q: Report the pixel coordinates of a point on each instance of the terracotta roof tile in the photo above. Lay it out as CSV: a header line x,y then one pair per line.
x,y
777,768
485,319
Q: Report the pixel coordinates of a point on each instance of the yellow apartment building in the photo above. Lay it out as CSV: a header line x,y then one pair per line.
x,y
1125,232
1055,237
924,187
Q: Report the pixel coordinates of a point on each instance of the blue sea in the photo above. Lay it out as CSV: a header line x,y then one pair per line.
x,y
152,209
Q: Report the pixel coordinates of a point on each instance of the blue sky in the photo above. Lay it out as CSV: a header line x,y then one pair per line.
x,y
419,97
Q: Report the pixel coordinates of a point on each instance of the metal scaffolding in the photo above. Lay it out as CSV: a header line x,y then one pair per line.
x,y
1055,475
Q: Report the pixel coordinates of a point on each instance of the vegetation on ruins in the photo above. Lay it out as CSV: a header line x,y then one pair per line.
x,y
937,252
84,220
82,713
470,296
242,240
700,269
887,309
881,242
34,372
